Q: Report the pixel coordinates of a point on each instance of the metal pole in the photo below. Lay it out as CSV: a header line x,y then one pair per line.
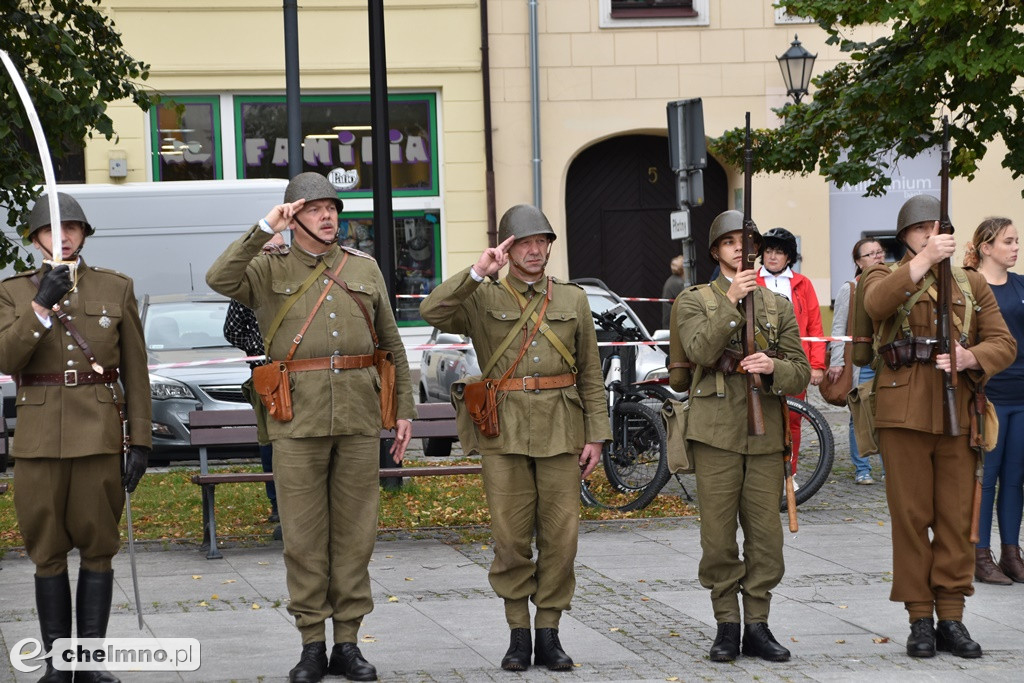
x,y
291,79
383,218
535,103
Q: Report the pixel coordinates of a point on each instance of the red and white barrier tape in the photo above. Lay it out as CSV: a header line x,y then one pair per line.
x,y
624,298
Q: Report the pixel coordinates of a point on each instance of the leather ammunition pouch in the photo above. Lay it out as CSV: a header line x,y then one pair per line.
x,y
272,383
909,350
481,401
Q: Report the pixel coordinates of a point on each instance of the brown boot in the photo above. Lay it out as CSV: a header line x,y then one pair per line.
x,y
985,569
1011,564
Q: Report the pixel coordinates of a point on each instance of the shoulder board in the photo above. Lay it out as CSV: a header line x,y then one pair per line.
x,y
694,288
564,282
109,272
24,273
356,252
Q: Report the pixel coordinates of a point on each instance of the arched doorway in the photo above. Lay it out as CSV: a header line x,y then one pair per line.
x,y
619,194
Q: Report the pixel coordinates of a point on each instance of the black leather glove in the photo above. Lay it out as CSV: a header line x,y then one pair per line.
x,y
54,284
134,467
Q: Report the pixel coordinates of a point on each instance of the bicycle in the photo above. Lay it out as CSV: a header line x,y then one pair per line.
x,y
633,474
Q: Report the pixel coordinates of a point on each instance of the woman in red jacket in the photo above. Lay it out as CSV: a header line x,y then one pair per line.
x,y
777,274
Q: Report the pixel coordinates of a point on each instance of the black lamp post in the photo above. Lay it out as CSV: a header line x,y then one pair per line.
x,y
796,65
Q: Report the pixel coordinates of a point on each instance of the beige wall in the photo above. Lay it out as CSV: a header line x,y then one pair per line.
x,y
597,83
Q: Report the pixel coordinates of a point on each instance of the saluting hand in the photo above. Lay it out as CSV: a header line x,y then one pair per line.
x,y
403,434
281,215
493,259
589,458
743,283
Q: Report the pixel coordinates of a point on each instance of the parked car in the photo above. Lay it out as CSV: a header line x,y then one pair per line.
x,y
182,328
440,367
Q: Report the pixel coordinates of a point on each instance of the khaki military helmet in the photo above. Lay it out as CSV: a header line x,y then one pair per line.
x,y
726,222
918,209
70,210
524,220
311,186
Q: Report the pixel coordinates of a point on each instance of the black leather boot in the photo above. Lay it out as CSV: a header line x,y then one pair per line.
x,y
348,661
727,643
312,666
92,612
517,658
952,636
921,642
53,603
758,641
548,651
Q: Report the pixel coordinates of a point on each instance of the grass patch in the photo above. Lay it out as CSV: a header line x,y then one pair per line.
x,y
167,506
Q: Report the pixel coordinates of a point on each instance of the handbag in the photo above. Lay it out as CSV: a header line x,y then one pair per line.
x,y
273,385
861,400
835,392
674,414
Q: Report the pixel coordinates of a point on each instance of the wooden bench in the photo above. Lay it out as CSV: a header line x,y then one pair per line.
x,y
210,428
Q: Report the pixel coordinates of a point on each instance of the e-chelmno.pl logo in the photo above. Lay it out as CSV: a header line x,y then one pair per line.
x,y
108,654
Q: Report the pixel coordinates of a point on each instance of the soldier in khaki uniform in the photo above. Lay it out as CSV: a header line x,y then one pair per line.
x,y
326,458
930,476
69,484
739,476
553,420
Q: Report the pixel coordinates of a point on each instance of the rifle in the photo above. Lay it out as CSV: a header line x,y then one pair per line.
x,y
755,414
946,331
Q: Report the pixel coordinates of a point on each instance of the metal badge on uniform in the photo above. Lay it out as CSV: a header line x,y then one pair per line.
x,y
104,321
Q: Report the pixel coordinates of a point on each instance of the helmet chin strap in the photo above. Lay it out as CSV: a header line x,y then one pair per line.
x,y
306,230
547,257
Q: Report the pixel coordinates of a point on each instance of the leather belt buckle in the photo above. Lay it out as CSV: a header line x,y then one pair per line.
x,y
336,357
71,378
524,383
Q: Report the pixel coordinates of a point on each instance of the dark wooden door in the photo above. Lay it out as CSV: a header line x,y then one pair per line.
x,y
619,194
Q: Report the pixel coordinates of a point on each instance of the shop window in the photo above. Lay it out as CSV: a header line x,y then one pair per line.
x,y
337,141
186,139
417,256
652,13
645,9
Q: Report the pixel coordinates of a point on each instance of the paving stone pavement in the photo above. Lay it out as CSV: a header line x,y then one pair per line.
x,y
639,612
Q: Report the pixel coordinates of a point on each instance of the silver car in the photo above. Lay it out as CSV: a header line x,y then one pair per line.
x,y
440,367
182,329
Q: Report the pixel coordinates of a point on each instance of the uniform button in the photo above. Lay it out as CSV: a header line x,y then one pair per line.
x,y
906,293
536,359
71,347
36,335
533,343
330,297
68,333
333,315
334,334
67,303
70,363
336,371
698,391
361,288
288,290
732,323
935,322
894,384
325,281
502,316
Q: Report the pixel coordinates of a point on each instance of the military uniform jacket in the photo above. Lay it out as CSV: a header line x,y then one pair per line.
x,y
538,424
325,402
721,420
72,422
912,396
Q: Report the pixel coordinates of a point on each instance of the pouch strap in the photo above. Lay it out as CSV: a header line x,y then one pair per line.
x,y
283,311
546,329
316,307
65,320
512,334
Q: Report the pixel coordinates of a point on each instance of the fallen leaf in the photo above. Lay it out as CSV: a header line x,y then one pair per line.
x,y
409,579
197,576
881,524
215,597
256,605
641,580
672,678
615,628
792,639
389,556
228,581
203,603
880,640
847,519
841,642
645,599
483,547
392,598
263,563
843,607
673,634
368,639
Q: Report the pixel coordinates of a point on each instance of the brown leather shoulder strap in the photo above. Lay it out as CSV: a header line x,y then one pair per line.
x,y
316,307
362,307
65,320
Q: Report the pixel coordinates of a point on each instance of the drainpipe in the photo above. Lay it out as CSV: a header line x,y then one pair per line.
x,y
535,102
485,68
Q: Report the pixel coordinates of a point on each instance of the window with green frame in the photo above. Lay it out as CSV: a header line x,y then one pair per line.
x,y
185,133
417,257
337,142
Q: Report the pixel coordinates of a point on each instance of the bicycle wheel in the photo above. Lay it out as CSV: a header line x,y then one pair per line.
x,y
635,462
817,451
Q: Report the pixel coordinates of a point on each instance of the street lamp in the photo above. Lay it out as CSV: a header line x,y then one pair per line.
x,y
796,65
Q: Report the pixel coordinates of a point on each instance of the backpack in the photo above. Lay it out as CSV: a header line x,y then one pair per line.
x,y
866,341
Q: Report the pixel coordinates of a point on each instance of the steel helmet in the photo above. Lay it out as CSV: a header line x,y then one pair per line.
x,y
785,240
918,209
70,210
726,222
524,220
311,186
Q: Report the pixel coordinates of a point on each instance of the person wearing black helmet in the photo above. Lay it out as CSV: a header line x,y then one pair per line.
x,y
73,343
929,474
322,308
777,260
739,475
552,418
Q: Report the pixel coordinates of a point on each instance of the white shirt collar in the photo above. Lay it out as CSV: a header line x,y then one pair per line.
x,y
765,273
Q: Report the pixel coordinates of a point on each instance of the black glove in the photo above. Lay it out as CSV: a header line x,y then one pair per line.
x,y
134,467
55,283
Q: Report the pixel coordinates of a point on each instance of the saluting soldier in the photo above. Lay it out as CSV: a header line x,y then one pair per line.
x,y
739,476
930,476
73,342
327,457
552,417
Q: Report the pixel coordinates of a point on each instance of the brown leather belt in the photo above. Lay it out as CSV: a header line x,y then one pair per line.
x,y
330,363
536,383
68,378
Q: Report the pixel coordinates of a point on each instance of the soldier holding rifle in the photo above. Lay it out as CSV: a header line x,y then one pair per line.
x,y
929,463
739,473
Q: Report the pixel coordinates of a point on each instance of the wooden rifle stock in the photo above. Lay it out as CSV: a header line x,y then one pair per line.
x,y
755,413
946,332
787,468
976,512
